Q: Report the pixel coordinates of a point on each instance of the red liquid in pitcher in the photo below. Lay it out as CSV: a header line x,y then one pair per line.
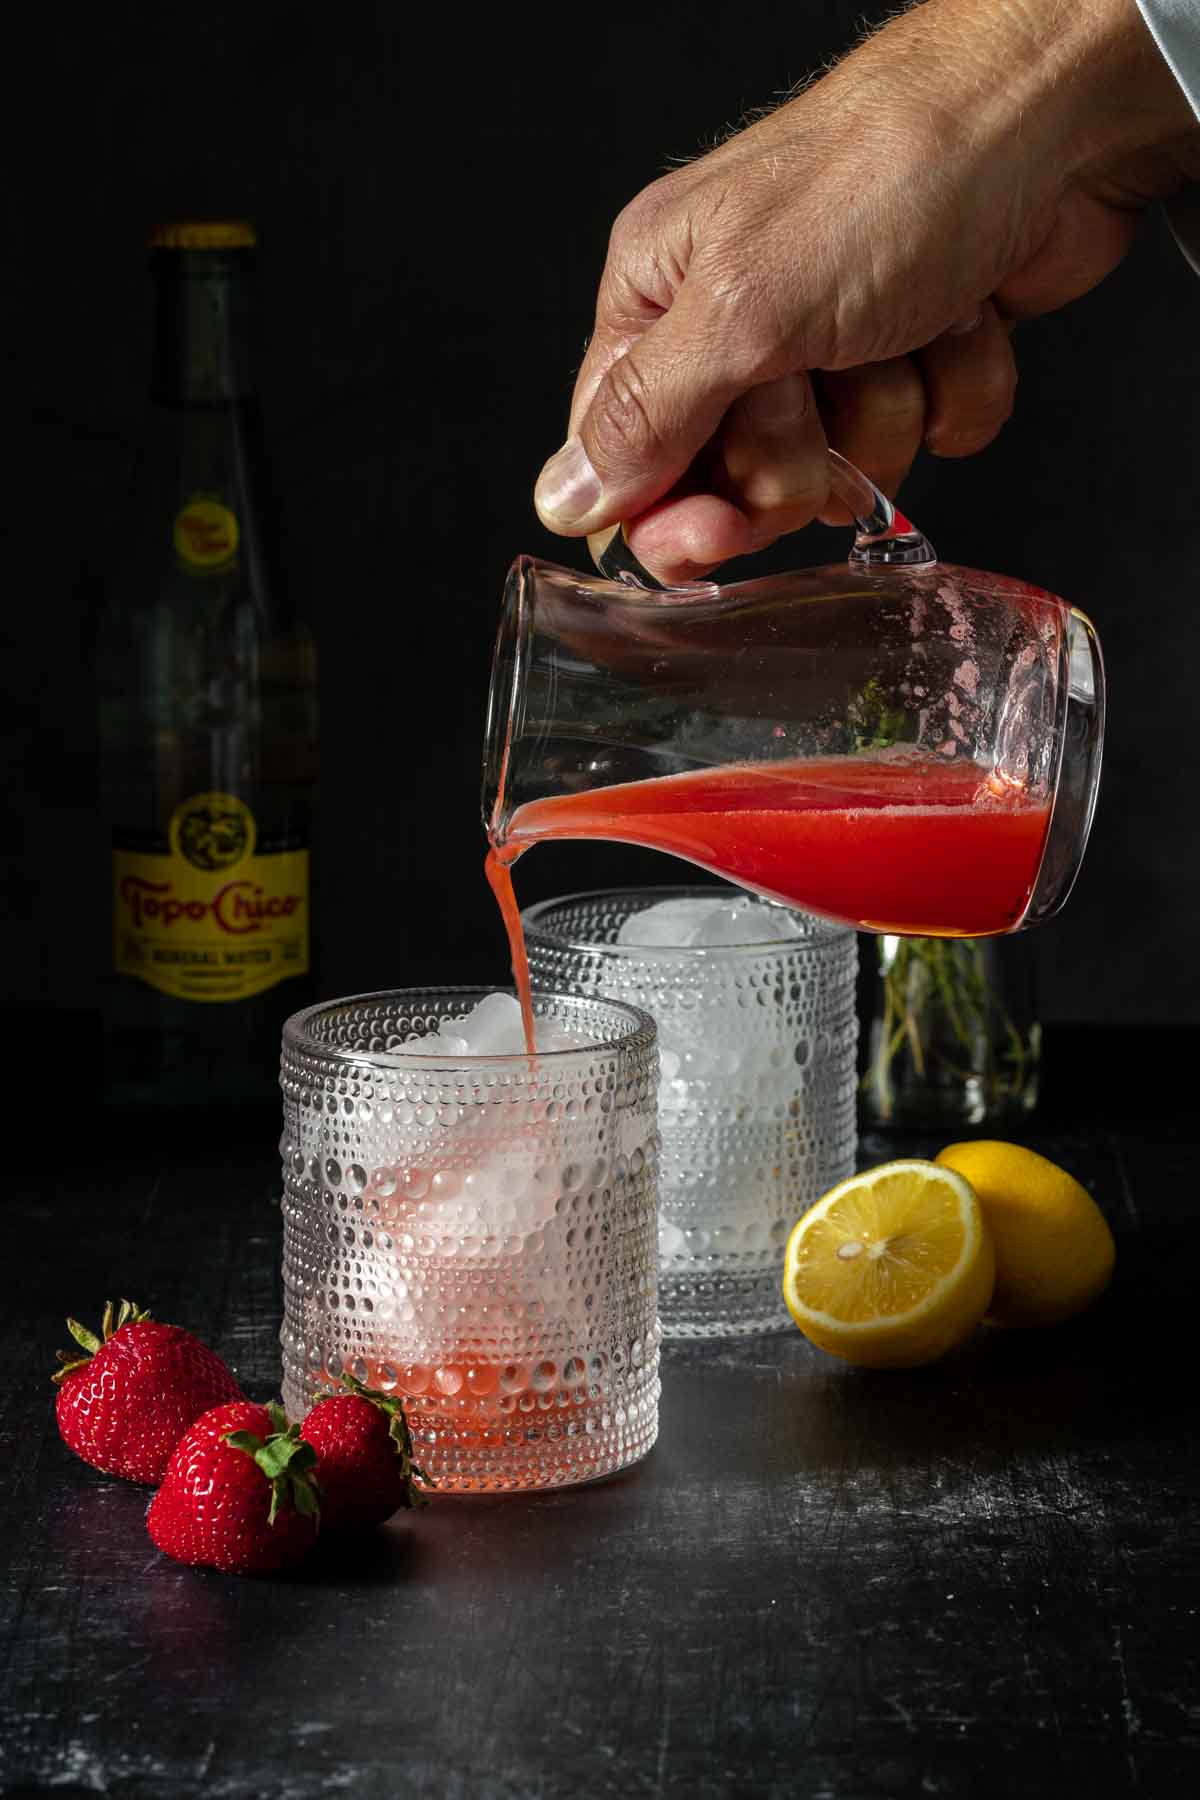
x,y
899,843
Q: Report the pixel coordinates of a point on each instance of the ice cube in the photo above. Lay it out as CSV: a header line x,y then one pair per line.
x,y
668,924
493,1028
777,924
732,922
705,922
746,921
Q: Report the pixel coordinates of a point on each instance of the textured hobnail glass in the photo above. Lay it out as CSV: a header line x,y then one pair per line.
x,y
476,1233
757,1102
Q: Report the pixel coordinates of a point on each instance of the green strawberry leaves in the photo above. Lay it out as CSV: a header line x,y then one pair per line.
x,y
126,1313
392,1407
288,1464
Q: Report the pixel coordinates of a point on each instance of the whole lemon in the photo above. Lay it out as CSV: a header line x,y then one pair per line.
x,y
1054,1250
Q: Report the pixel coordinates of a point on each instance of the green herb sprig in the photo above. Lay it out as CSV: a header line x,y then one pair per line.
x,y
943,1016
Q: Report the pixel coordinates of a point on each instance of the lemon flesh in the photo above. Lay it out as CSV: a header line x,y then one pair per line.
x,y
1054,1251
892,1268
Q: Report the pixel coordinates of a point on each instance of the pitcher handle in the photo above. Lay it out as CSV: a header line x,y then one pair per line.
x,y
883,537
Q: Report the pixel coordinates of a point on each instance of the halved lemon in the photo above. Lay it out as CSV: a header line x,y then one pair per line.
x,y
891,1268
1054,1250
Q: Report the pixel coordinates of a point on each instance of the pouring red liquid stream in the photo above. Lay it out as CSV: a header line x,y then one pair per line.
x,y
912,845
499,877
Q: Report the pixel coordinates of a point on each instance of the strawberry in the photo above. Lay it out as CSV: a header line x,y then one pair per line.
x,y
238,1494
364,1453
125,1399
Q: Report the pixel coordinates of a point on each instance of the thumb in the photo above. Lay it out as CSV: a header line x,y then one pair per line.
x,y
653,409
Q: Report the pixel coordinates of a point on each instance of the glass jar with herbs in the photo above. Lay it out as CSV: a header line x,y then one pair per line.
x,y
950,1033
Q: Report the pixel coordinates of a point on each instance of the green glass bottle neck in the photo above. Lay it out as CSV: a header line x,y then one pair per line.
x,y
204,328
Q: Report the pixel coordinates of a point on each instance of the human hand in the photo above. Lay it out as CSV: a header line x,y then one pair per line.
x,y
846,271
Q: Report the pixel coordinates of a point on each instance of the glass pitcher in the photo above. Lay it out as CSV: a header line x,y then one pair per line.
x,y
898,744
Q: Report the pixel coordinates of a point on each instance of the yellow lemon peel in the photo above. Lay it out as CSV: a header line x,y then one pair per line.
x,y
1054,1251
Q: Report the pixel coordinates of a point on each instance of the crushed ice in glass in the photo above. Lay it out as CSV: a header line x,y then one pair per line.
x,y
699,922
492,1028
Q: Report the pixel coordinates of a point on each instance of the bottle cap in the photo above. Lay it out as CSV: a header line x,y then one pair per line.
x,y
203,234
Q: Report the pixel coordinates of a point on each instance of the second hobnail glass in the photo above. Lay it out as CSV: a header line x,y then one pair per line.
x,y
757,1096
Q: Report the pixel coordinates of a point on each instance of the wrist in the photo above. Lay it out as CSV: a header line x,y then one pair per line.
x,y
1087,73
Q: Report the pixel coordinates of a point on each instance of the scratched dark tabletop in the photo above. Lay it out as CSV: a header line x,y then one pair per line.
x,y
977,1579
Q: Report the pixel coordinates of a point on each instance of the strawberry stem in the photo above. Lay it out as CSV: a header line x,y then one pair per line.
x,y
127,1313
401,1437
288,1463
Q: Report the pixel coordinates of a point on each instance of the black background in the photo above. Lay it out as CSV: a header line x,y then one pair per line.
x,y
433,195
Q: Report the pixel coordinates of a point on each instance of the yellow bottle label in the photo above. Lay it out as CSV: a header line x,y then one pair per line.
x,y
215,918
206,533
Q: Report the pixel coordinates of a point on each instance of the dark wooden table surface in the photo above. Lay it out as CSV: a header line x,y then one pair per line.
x,y
970,1580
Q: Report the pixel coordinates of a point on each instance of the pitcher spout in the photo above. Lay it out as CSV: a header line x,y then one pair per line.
x,y
507,698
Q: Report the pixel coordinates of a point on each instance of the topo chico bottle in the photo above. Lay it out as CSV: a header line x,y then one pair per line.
x,y
207,715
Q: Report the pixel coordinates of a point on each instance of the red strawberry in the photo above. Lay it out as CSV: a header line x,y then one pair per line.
x,y
364,1457
238,1494
124,1402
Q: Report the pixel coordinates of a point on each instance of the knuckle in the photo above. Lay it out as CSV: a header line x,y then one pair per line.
x,y
643,220
887,401
777,409
634,218
770,522
987,390
895,400
779,490
974,416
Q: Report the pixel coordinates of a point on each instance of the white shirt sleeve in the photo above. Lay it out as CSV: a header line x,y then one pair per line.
x,y
1175,28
